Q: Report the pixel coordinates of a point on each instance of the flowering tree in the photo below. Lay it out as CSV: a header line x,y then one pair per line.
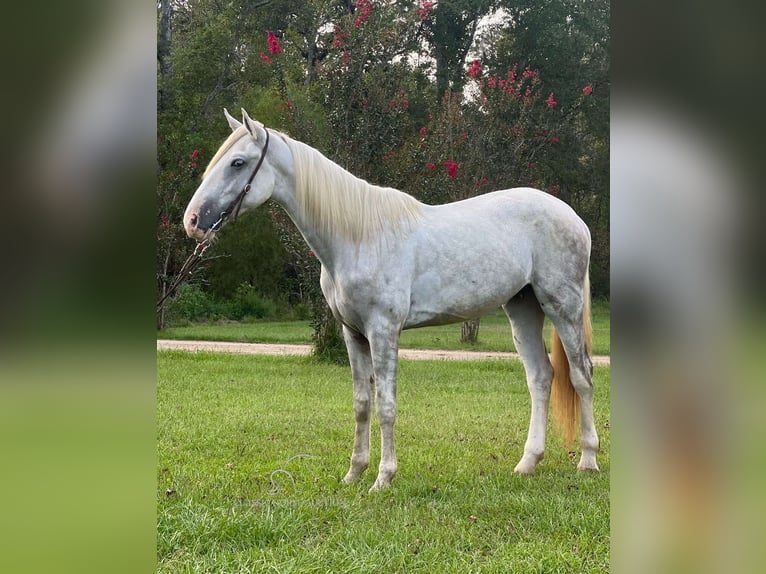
x,y
498,137
400,93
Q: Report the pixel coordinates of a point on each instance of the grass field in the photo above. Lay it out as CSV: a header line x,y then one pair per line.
x,y
251,450
494,334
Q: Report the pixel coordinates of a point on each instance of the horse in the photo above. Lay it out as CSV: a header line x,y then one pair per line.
x,y
390,262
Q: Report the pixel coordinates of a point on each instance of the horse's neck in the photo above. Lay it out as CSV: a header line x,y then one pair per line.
x,y
324,240
324,245
338,212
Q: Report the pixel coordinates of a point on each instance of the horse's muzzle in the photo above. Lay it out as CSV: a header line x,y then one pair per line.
x,y
191,226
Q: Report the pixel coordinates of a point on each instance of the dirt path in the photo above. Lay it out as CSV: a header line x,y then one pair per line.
x,y
279,349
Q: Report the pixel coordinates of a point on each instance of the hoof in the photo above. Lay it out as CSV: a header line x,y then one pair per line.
x,y
524,469
352,476
588,462
382,482
527,464
379,485
355,471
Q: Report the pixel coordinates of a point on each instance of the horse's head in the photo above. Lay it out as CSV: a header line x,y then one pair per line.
x,y
236,179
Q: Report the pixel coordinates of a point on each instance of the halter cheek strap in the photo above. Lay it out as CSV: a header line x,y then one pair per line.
x,y
236,205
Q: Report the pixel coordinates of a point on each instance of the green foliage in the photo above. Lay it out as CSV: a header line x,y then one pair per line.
x,y
450,31
190,303
193,304
249,252
327,336
249,303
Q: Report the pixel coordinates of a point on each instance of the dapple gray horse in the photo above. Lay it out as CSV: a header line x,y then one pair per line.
x,y
391,263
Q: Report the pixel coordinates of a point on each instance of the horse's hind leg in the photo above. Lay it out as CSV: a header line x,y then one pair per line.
x,y
527,318
361,372
568,320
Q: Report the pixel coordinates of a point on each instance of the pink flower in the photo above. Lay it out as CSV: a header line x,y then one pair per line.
x,y
311,253
550,101
274,47
423,132
532,165
425,9
451,169
529,73
339,36
194,154
475,68
431,166
587,90
289,105
363,12
553,139
265,59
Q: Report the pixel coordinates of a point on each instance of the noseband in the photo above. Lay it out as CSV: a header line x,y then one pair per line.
x,y
234,206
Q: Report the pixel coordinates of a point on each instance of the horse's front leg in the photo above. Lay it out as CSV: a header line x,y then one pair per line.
x,y
361,372
385,349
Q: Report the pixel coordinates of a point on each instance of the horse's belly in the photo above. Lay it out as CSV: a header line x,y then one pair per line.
x,y
441,305
430,319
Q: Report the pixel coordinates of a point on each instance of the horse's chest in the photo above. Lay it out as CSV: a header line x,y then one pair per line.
x,y
354,300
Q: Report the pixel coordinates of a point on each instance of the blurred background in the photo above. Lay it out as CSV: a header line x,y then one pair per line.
x,y
685,250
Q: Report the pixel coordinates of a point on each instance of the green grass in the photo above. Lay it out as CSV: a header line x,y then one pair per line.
x,y
293,332
494,334
232,427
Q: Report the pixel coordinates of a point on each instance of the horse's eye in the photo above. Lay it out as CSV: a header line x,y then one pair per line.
x,y
237,162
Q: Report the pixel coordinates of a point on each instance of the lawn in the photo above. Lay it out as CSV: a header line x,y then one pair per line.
x,y
494,334
251,451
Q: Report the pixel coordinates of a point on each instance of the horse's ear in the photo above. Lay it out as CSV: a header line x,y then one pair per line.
x,y
249,124
233,123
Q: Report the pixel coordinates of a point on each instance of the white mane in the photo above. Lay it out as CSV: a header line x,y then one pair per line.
x,y
337,202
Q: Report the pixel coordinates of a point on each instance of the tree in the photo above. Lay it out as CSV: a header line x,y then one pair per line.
x,y
356,80
568,42
451,28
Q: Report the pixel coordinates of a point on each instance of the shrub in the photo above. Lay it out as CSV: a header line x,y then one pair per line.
x,y
190,303
249,303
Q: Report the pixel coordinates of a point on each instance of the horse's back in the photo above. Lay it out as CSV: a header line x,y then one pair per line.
x,y
472,256
521,217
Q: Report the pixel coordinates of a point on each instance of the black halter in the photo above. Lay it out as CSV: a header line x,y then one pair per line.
x,y
234,206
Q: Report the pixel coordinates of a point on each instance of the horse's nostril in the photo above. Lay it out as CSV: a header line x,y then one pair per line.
x,y
193,220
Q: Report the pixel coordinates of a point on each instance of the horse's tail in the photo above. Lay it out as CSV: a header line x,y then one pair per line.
x,y
564,399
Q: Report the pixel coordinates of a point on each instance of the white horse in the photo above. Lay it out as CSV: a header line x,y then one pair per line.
x,y
391,263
